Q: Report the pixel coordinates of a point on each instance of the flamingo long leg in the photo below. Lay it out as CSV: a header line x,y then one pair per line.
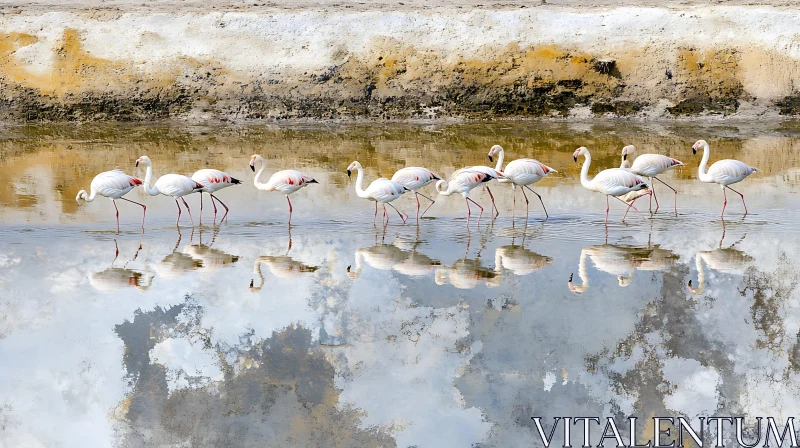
x,y
540,200
724,203
403,216
630,206
115,208
479,206
741,196
493,204
213,198
375,217
607,207
290,208
416,196
188,210
177,221
429,205
144,210
653,196
673,190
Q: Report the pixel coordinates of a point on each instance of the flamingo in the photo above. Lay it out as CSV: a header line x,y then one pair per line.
x,y
467,273
463,181
518,260
612,182
380,190
650,166
286,181
113,185
414,178
493,173
213,181
522,173
174,185
722,172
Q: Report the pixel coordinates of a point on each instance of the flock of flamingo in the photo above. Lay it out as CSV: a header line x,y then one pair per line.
x,y
626,183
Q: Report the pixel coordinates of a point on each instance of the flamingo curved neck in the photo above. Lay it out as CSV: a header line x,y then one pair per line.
x,y
82,194
257,180
500,157
701,171
585,171
360,185
443,188
257,266
152,191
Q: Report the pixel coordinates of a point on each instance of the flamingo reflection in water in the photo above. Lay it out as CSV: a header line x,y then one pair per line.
x,y
727,260
401,256
621,261
114,278
210,258
280,266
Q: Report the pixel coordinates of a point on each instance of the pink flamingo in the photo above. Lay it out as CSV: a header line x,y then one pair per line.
x,y
174,185
722,172
379,190
650,166
614,182
113,185
522,173
213,181
286,181
414,178
463,181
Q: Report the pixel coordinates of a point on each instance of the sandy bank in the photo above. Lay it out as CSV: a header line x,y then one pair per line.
x,y
126,60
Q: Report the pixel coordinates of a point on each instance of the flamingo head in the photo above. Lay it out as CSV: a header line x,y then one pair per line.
x,y
582,151
353,166
253,159
699,144
144,160
628,150
495,150
624,281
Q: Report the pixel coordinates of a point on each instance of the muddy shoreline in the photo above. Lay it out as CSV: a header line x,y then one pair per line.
x,y
235,61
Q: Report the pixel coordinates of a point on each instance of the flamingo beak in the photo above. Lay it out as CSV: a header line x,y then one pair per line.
x,y
252,167
348,173
575,158
625,156
490,158
137,163
694,151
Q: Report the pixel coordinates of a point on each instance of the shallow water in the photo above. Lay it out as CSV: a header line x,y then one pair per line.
x,y
335,332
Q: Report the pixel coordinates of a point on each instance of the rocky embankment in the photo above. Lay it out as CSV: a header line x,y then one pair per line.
x,y
125,60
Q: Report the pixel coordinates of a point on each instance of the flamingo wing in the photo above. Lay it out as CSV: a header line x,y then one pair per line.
x,y
289,181
176,185
491,172
213,180
114,183
729,171
618,181
414,177
385,190
526,171
650,165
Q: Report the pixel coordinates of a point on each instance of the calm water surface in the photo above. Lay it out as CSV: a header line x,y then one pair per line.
x,y
333,332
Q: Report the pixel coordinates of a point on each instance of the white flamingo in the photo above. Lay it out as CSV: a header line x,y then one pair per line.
x,y
493,173
174,185
650,166
380,190
612,182
728,260
522,173
723,172
462,182
113,185
213,181
414,178
286,181
518,260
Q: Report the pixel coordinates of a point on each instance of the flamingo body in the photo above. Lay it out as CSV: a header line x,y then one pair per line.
x,y
174,185
380,190
286,181
614,182
462,182
114,185
723,172
521,173
212,181
414,178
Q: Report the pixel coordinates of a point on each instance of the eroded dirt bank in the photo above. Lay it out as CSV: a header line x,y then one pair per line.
x,y
143,61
